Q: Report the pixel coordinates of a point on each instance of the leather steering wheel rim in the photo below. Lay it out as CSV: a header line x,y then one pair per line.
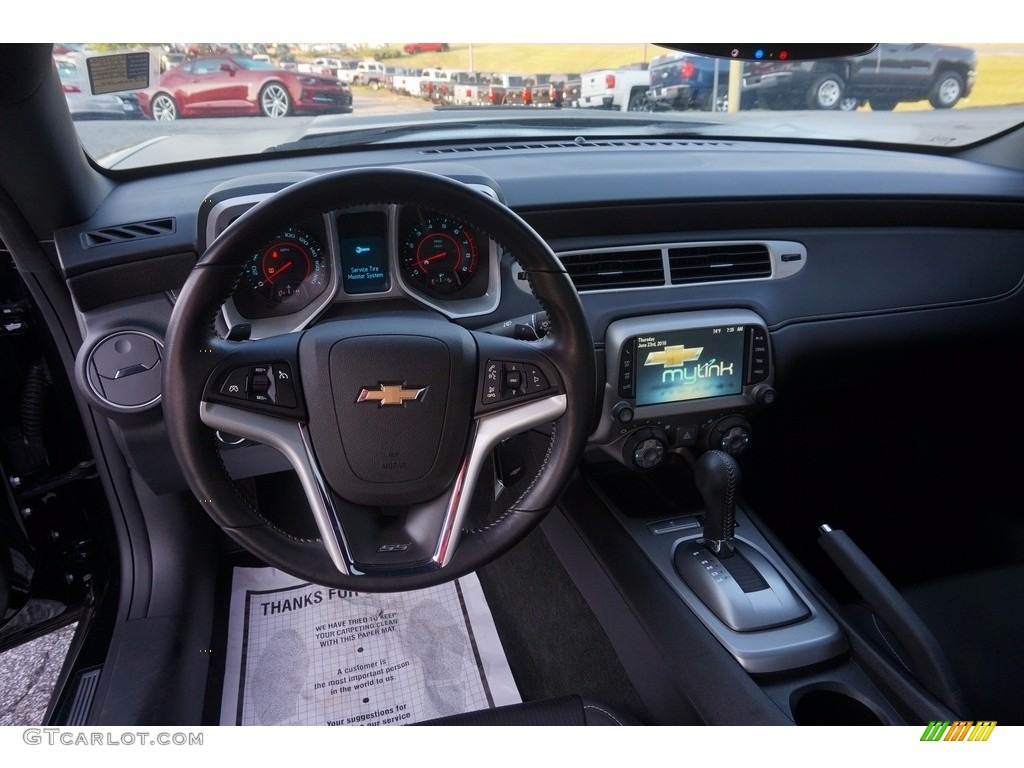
x,y
193,349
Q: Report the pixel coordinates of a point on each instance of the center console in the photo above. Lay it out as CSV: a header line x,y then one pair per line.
x,y
690,380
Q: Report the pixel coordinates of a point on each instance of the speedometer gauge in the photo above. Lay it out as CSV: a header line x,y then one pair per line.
x,y
439,255
290,270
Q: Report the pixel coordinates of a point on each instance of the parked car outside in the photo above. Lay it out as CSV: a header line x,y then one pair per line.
x,y
892,73
414,48
685,81
224,85
564,89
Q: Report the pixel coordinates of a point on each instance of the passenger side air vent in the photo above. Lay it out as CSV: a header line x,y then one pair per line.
x,y
711,263
138,231
607,270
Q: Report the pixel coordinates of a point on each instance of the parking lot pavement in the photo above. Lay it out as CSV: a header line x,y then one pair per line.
x,y
28,674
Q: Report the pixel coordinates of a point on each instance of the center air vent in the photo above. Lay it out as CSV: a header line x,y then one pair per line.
x,y
606,270
711,263
671,264
137,231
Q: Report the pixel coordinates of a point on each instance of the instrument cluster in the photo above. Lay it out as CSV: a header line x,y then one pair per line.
x,y
367,253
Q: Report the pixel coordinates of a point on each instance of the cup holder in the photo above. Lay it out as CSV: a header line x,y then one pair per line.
x,y
832,705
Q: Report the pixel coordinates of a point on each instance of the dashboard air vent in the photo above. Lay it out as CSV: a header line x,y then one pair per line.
x,y
711,263
586,144
607,270
138,231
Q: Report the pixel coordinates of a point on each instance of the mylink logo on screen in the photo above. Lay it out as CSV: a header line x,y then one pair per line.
x,y
674,359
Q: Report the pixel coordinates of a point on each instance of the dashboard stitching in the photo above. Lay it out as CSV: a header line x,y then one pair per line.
x,y
888,645
897,310
604,712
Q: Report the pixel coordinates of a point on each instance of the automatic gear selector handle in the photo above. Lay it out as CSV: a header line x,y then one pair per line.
x,y
735,580
718,479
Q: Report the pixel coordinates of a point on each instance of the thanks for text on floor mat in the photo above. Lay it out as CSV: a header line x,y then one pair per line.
x,y
303,654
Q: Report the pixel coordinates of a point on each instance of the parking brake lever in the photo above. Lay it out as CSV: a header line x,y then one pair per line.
x,y
925,655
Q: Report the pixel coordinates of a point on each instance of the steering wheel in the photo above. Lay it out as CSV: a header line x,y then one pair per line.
x,y
388,418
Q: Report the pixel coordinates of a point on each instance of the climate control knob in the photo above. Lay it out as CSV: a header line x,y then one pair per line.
x,y
645,449
730,434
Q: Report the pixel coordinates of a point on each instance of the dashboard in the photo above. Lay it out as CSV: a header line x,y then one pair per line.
x,y
684,247
810,307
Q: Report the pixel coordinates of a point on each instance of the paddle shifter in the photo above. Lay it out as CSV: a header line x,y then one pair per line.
x,y
735,580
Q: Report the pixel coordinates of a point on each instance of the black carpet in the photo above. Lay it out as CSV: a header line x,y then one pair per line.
x,y
554,643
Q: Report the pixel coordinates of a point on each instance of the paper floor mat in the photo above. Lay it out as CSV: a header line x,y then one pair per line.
x,y
302,654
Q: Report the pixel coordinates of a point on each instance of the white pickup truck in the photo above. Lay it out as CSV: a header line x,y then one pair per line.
x,y
408,82
369,72
615,88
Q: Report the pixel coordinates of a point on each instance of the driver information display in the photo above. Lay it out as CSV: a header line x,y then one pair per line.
x,y
364,258
303,654
688,365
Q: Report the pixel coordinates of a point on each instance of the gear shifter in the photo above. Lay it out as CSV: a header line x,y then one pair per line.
x,y
733,579
718,478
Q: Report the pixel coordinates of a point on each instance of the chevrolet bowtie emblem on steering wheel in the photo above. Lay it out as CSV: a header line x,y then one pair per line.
x,y
390,394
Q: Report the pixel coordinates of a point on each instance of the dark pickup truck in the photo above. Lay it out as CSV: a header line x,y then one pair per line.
x,y
893,72
685,81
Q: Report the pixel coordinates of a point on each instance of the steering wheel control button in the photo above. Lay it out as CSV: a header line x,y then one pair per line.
x,y
265,383
284,383
535,379
236,384
513,380
492,383
510,379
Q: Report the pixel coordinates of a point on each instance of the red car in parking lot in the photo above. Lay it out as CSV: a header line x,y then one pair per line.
x,y
228,85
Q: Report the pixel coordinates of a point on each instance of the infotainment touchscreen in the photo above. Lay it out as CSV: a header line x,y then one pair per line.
x,y
674,366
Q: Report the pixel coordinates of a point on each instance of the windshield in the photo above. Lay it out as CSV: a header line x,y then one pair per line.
x,y
220,99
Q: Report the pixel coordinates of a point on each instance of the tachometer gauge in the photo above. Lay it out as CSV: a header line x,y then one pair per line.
x,y
291,270
439,255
